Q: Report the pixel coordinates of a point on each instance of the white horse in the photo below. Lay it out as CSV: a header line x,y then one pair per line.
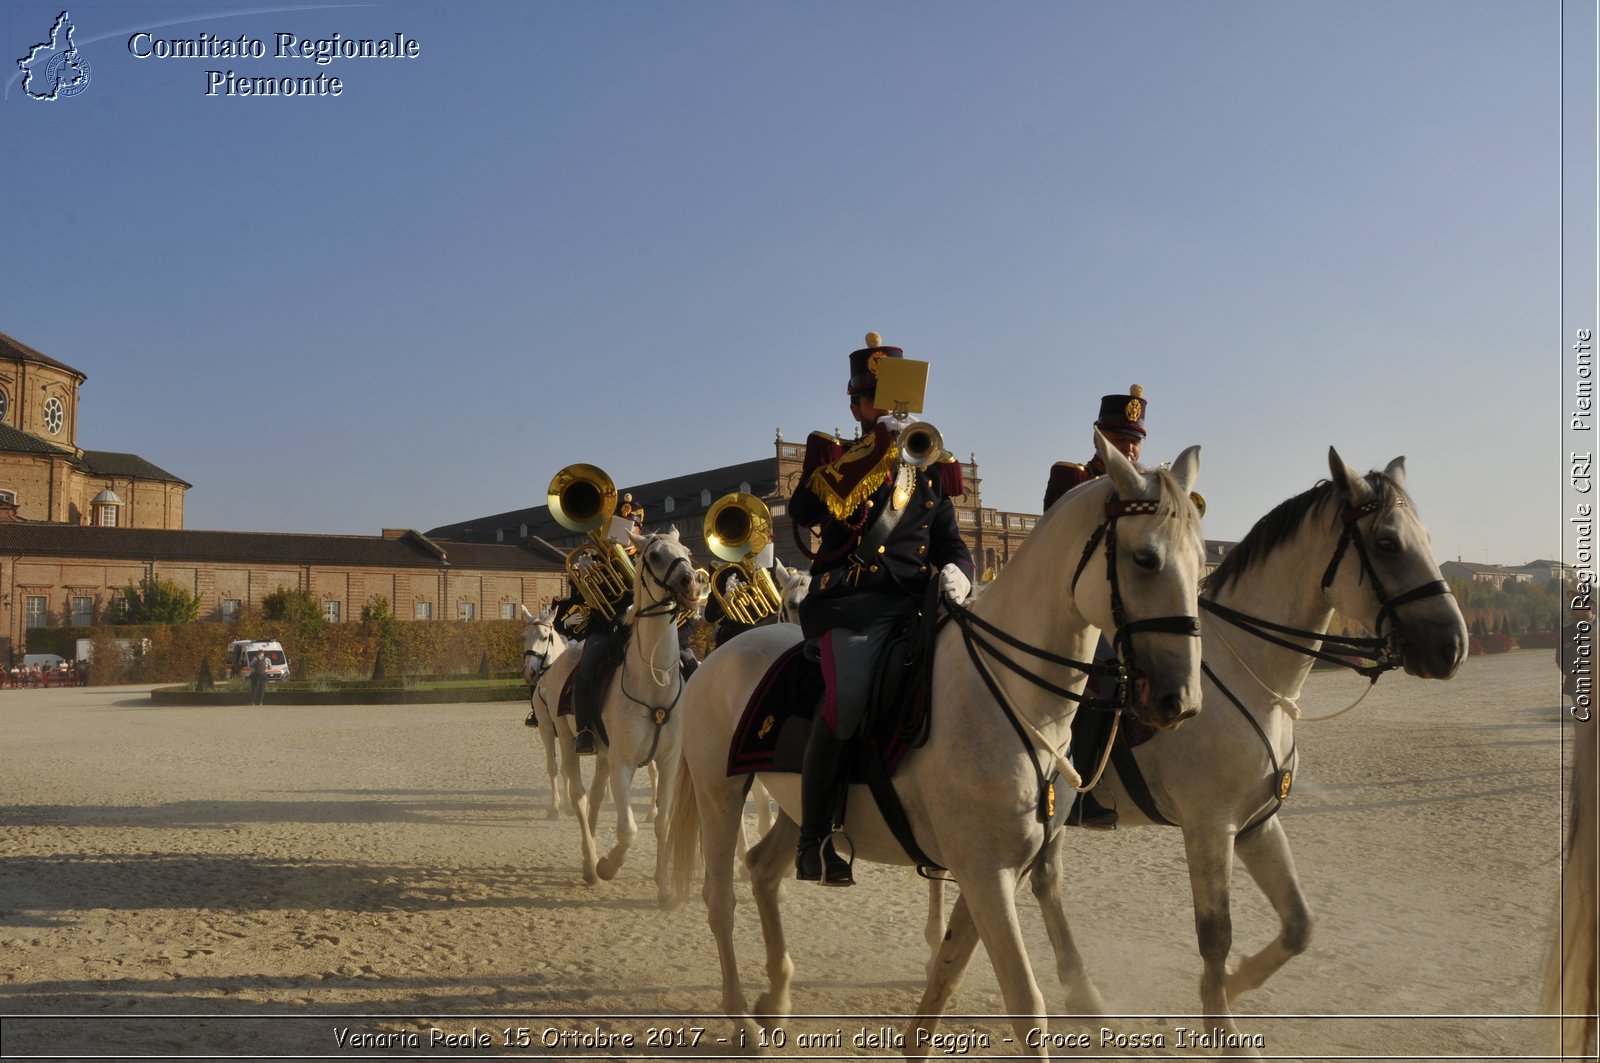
x,y
1352,544
639,708
973,792
1572,974
541,646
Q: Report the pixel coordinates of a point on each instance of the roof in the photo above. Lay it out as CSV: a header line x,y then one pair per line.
x,y
14,348
110,463
16,440
685,491
410,550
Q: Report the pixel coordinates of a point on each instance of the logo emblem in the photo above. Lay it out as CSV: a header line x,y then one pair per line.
x,y
55,69
1134,410
874,360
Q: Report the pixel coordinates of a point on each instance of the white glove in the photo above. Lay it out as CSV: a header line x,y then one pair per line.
x,y
894,423
954,584
572,620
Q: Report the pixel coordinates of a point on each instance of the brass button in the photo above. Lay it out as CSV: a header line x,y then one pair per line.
x,y
922,549
872,568
927,504
924,569
881,549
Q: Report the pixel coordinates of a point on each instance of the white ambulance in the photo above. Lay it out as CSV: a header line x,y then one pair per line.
x,y
243,653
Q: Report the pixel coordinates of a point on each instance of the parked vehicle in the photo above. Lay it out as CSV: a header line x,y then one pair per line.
x,y
243,653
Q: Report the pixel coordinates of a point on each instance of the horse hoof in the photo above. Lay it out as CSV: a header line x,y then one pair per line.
x,y
606,869
770,1009
589,878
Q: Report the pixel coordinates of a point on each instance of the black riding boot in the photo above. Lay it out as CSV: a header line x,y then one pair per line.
x,y
585,695
1089,732
815,857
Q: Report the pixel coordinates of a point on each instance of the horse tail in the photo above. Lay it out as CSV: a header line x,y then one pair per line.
x,y
1572,971
683,833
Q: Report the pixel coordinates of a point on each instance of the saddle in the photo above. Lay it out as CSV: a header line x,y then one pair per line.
x,y
776,722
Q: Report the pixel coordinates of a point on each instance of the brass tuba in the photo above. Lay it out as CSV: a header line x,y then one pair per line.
x,y
920,444
737,528
582,498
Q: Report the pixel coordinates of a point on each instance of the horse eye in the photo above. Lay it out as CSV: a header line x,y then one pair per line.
x,y
1388,544
1149,560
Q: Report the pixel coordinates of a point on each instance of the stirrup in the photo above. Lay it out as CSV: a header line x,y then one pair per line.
x,y
1087,812
584,743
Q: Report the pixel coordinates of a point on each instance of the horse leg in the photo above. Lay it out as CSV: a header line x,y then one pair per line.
x,y
599,785
763,807
951,956
547,734
656,794
571,769
1266,856
990,895
771,860
627,828
666,780
718,808
1210,854
933,928
1082,996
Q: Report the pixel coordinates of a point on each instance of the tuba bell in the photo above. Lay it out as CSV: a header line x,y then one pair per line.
x,y
582,499
920,444
737,528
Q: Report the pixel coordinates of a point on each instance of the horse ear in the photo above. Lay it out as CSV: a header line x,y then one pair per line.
x,y
1124,474
1349,482
1187,467
547,615
525,614
1396,471
781,574
638,540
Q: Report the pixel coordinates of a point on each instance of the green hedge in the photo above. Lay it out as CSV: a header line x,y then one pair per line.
x,y
423,647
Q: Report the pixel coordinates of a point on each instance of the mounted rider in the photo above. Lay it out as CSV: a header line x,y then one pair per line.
x,y
1121,421
887,528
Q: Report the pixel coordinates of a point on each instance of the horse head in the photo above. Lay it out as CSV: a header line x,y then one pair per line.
x,y
1145,599
541,644
666,571
1383,573
793,585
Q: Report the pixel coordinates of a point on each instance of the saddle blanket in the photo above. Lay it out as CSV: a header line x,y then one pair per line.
x,y
776,723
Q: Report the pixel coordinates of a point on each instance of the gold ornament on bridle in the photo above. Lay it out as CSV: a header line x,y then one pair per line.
x,y
582,499
737,528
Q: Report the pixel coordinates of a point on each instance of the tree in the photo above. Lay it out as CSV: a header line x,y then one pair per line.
x,y
295,608
159,601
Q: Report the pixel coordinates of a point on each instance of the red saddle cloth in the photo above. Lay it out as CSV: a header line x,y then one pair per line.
x,y
776,723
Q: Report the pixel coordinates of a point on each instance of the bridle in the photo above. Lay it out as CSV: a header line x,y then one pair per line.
x,y
666,605
543,656
1383,650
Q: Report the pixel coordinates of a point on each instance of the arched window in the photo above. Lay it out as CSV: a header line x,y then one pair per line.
x,y
668,504
705,497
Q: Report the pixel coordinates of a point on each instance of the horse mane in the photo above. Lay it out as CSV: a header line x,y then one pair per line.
x,y
1285,519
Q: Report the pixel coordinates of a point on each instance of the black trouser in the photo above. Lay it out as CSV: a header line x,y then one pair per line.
x,y
587,698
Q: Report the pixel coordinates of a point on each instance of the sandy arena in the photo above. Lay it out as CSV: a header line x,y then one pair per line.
x,y
340,883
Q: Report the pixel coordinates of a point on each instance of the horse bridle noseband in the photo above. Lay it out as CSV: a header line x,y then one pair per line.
x,y
1352,534
667,606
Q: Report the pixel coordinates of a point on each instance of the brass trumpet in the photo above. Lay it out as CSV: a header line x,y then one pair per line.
x,y
737,528
920,444
582,499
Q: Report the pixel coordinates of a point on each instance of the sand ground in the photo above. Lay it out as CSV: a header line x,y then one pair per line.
x,y
250,882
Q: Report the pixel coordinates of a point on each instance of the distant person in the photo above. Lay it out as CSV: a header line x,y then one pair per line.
x,y
258,679
1121,421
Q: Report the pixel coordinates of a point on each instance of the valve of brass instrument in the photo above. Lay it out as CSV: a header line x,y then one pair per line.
x,y
737,528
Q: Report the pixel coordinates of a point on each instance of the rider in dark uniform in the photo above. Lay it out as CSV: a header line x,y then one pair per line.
x,y
886,529
1121,421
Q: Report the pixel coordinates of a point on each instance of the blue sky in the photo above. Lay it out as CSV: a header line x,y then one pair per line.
x,y
646,235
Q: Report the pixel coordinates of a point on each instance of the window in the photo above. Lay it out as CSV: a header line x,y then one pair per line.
x,y
499,535
466,610
705,498
230,608
423,611
55,415
790,452
744,485
668,504
36,610
82,610
330,611
8,497
524,531
508,610
108,516
5,405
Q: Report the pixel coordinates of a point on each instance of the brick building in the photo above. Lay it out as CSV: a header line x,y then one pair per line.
x,y
77,526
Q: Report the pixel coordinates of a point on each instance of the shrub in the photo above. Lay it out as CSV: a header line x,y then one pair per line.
x,y
159,601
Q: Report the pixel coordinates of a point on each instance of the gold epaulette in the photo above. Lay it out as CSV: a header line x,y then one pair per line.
x,y
1071,465
844,484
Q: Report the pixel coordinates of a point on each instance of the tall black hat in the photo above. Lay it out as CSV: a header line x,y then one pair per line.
x,y
1123,413
864,364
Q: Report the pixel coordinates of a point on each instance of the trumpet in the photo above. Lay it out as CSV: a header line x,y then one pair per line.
x,y
737,528
582,499
920,444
